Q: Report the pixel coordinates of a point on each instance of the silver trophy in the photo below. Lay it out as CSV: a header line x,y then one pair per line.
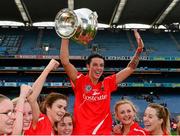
x,y
80,25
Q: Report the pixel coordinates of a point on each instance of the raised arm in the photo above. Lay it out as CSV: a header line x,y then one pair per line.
x,y
123,74
25,91
64,56
37,87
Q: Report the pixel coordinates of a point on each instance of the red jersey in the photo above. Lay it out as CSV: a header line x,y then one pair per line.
x,y
92,105
135,129
166,134
43,127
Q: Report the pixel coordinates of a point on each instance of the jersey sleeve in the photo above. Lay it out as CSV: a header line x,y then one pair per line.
x,y
78,80
111,82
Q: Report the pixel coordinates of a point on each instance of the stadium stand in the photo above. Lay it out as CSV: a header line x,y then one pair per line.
x,y
109,43
160,44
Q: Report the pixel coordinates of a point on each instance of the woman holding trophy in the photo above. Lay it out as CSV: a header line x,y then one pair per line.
x,y
92,114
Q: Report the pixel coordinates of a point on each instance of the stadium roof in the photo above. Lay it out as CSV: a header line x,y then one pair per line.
x,y
112,12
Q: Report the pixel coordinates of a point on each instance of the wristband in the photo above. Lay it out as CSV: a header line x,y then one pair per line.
x,y
139,50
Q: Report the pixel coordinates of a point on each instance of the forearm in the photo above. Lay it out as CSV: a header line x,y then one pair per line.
x,y
123,74
64,52
35,113
135,59
18,123
38,85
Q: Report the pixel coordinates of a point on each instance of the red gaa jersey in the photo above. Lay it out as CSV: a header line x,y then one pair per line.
x,y
43,127
165,134
135,129
92,114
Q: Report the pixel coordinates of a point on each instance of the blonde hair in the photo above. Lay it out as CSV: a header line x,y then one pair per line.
x,y
162,113
15,100
2,97
125,101
178,126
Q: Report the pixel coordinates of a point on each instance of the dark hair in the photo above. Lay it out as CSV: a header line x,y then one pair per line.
x,y
50,99
67,114
88,61
95,55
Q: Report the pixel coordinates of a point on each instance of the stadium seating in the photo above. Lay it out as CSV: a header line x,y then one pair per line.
x,y
110,43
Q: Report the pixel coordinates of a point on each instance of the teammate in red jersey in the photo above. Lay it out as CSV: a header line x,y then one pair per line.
x,y
26,112
125,112
65,126
156,120
53,109
92,93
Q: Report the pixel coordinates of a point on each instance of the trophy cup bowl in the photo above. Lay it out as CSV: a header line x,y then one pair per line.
x,y
79,25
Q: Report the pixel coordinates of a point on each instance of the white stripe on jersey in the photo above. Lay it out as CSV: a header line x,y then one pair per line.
x,y
42,118
99,125
143,133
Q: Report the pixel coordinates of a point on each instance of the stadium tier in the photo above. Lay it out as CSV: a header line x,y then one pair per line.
x,y
107,42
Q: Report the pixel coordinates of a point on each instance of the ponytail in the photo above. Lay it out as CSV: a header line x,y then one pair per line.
x,y
166,123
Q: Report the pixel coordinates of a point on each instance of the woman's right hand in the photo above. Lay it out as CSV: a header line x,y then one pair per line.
x,y
53,65
117,129
25,91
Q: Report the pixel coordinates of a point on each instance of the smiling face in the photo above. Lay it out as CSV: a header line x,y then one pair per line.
x,y
27,113
65,126
6,116
57,110
27,116
151,122
125,114
96,68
